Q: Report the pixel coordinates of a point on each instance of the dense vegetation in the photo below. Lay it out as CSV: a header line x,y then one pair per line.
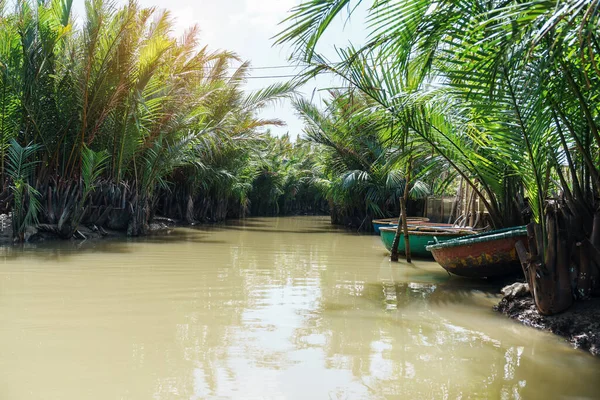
x,y
107,124
116,122
287,180
361,166
506,93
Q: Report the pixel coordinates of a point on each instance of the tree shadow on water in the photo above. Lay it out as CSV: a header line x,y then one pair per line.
x,y
59,250
452,291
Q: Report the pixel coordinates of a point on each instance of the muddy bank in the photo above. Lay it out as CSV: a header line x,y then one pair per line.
x,y
46,232
580,325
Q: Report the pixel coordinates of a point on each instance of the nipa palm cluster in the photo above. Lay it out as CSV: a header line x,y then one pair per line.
x,y
505,93
108,119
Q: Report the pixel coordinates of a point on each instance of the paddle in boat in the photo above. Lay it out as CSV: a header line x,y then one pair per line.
x,y
485,255
419,237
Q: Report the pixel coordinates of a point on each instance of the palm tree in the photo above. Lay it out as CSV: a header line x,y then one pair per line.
x,y
363,167
115,110
19,168
504,95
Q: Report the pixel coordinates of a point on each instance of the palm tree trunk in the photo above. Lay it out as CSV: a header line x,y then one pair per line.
x,y
189,210
548,275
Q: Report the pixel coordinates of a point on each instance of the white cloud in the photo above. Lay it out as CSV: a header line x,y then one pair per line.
x,y
266,14
187,15
184,19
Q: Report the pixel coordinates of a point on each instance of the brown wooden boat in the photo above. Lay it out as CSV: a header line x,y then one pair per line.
x,y
485,255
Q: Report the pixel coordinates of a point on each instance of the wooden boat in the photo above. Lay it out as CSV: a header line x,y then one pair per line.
x,y
485,255
419,237
386,222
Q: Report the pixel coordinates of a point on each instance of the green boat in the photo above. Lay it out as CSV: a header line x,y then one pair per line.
x,y
420,237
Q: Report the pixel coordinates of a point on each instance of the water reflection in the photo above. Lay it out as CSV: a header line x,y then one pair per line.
x,y
260,312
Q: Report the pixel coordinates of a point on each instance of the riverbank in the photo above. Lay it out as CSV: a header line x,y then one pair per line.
x,y
580,325
47,232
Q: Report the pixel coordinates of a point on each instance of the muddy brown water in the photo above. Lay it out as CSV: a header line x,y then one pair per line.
x,y
286,308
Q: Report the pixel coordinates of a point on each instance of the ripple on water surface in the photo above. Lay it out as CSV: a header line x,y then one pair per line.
x,y
282,308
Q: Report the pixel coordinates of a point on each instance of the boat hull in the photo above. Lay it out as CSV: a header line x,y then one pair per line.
x,y
487,255
418,240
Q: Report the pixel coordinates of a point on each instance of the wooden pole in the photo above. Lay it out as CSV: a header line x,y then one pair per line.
x,y
396,241
405,228
402,224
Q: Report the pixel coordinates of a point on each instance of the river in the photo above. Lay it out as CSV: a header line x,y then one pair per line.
x,y
282,308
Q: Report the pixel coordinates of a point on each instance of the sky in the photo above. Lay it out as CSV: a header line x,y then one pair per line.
x,y
247,27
